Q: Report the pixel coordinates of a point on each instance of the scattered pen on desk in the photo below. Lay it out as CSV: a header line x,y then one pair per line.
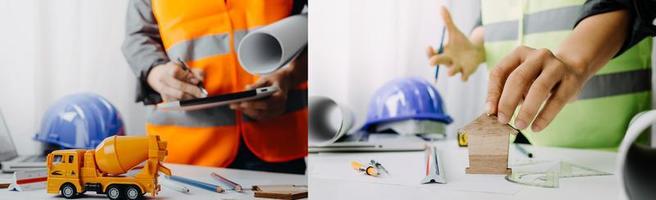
x,y
440,50
235,186
166,182
186,68
368,170
523,150
199,184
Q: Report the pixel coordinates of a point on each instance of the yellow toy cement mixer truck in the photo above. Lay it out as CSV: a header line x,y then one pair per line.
x,y
75,171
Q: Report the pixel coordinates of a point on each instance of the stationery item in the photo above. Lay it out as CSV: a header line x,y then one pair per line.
x,y
548,174
368,170
219,100
281,191
4,185
235,186
378,166
439,51
25,180
185,67
523,150
166,182
434,171
199,184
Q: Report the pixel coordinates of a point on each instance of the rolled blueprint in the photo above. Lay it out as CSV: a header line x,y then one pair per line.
x,y
328,121
636,159
266,49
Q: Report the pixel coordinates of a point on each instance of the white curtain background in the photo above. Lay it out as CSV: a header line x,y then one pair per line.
x,y
49,49
357,46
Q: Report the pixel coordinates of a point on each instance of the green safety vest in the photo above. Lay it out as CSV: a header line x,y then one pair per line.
x,y
601,114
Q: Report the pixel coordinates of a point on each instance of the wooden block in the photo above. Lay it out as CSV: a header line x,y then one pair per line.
x,y
507,171
281,191
488,142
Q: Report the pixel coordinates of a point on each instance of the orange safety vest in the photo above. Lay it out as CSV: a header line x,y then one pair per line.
x,y
206,34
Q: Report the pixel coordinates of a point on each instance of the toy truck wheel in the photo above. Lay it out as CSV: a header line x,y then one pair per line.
x,y
68,191
132,192
114,192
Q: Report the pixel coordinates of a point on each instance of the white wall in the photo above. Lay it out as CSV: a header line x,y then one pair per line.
x,y
50,49
357,46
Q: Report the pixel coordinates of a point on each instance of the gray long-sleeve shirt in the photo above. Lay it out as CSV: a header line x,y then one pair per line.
x,y
143,48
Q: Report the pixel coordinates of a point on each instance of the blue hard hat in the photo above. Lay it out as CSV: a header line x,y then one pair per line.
x,y
80,121
406,98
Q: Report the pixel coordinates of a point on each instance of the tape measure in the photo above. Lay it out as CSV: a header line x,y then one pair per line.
x,y
462,139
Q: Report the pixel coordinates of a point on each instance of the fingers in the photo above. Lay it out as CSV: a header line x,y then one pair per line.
x,y
198,74
517,84
555,103
448,21
498,78
181,87
441,59
430,51
537,94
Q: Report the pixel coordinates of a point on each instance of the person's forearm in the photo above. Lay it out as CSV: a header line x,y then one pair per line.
x,y
594,42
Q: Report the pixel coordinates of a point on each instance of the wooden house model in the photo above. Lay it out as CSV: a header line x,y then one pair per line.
x,y
488,142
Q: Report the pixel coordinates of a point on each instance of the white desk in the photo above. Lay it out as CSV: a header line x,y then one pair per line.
x,y
331,176
244,177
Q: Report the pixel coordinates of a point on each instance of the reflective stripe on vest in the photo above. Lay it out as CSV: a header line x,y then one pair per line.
x,y
206,46
206,35
607,101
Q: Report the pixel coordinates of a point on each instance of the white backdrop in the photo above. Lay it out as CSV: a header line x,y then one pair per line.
x,y
49,49
357,46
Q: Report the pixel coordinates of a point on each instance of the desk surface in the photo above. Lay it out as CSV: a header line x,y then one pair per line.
x,y
331,176
244,177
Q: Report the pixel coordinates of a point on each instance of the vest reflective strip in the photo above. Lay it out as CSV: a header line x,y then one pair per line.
x,y
217,116
557,19
617,84
296,100
206,46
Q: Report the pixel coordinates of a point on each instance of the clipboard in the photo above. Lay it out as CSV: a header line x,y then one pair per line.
x,y
218,100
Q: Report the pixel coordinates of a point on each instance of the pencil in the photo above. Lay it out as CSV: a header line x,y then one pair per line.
x,y
166,182
222,179
185,67
523,151
439,51
199,184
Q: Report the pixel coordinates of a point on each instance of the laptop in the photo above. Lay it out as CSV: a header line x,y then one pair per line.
x,y
9,158
373,142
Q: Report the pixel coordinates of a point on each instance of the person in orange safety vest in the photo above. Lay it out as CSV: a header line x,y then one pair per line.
x,y
268,134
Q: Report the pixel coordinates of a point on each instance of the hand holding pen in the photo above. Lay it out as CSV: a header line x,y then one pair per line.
x,y
173,82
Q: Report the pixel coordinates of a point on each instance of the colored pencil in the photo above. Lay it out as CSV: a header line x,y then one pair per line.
x,y
199,184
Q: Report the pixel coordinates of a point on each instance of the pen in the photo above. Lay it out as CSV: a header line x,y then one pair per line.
x,y
173,185
185,67
523,151
222,179
439,51
368,170
199,184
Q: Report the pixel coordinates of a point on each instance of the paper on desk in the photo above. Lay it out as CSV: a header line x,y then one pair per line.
x,y
408,169
25,180
266,49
